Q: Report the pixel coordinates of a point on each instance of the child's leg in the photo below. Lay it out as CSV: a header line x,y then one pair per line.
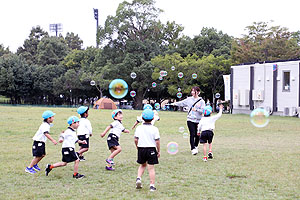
x,y
141,170
76,164
82,150
210,147
204,149
151,171
115,151
59,164
36,160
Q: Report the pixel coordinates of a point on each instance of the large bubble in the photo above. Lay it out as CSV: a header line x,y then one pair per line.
x,y
118,88
157,106
172,148
259,117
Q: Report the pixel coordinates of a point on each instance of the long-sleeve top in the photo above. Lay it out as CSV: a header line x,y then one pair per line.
x,y
193,116
208,123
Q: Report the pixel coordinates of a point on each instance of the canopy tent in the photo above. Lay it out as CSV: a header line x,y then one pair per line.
x,y
104,103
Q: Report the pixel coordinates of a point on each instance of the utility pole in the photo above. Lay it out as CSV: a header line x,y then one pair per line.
x,y
97,25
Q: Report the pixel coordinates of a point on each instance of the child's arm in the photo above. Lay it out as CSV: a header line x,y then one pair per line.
x,y
134,125
136,140
126,131
50,138
61,137
105,131
81,142
199,129
158,147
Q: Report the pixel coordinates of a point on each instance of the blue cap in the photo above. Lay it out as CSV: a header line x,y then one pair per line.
x,y
115,112
147,106
82,109
207,110
148,114
47,114
72,120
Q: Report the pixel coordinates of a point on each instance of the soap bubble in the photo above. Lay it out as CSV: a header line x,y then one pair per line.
x,y
118,88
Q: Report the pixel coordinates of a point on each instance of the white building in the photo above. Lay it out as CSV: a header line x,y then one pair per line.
x,y
274,86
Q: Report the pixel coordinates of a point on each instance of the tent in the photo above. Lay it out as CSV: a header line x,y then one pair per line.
x,y
104,103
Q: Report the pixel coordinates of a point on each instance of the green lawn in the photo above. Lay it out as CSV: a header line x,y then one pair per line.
x,y
249,162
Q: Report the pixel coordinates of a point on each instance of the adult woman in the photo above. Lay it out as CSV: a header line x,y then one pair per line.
x,y
195,105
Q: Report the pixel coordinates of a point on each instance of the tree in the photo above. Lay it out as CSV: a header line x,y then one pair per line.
x,y
4,50
264,43
73,41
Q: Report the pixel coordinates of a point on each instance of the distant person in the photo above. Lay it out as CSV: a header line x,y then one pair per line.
x,y
39,140
147,141
140,118
206,128
116,128
68,139
84,130
195,105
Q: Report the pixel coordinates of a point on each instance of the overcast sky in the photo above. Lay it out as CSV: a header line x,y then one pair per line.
x,y
17,17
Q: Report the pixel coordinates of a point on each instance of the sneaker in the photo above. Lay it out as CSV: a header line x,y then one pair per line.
x,y
78,176
81,158
210,155
36,167
194,152
152,188
110,162
138,183
30,170
109,168
47,170
204,159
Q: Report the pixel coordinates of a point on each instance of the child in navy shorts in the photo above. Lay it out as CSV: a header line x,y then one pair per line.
x,y
84,131
206,128
116,128
39,139
69,138
147,141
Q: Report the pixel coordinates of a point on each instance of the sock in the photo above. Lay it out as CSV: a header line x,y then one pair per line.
x,y
51,167
204,157
75,173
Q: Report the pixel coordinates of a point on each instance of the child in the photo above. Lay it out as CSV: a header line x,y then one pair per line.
x,y
140,118
146,139
84,130
39,139
68,140
206,128
116,128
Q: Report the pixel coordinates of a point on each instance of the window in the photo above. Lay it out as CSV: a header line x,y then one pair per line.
x,y
286,81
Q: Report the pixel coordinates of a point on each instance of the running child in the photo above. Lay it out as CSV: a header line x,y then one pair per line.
x,y
68,139
147,141
84,130
115,129
140,118
206,128
39,140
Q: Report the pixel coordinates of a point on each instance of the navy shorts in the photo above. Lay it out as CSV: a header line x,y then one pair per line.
x,y
147,154
112,141
69,154
38,149
206,137
83,137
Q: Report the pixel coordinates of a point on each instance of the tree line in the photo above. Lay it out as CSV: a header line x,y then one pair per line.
x,y
57,70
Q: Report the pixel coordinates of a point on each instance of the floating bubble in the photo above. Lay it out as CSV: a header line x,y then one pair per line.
x,y
180,75
259,117
194,75
164,108
185,135
92,83
173,68
179,95
179,89
154,84
172,148
133,75
163,73
118,88
160,78
157,106
132,93
218,95
181,129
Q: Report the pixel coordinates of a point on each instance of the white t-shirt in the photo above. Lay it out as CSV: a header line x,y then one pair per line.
x,y
40,134
70,138
155,118
146,134
208,123
116,128
85,127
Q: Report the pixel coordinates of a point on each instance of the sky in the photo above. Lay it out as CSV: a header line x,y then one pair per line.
x,y
17,17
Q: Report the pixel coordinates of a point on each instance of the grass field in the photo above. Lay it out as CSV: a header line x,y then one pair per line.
x,y
249,162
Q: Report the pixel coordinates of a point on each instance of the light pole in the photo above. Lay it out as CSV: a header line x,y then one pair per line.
x,y
97,25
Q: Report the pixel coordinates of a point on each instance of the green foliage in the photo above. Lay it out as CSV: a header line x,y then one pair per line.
x,y
4,50
73,41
